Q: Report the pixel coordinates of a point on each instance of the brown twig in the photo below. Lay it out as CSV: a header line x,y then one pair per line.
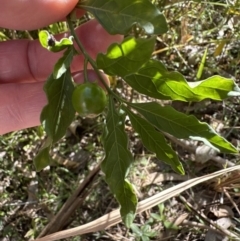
x,y
62,217
231,200
216,227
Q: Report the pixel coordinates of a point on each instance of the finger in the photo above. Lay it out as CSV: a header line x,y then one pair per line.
x,y
21,104
33,14
28,61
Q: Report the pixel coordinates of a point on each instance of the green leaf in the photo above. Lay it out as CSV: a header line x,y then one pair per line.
x,y
136,230
117,162
145,238
118,16
170,225
156,216
182,126
62,44
44,36
49,42
153,80
63,63
201,66
43,159
155,142
58,114
147,231
215,87
126,58
143,80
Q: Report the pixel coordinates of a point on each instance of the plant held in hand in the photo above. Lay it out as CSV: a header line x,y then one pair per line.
x,y
130,60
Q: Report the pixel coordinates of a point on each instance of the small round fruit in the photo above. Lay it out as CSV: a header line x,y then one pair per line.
x,y
89,100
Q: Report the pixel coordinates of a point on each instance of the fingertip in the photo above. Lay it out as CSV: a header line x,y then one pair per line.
x,y
20,106
22,103
30,15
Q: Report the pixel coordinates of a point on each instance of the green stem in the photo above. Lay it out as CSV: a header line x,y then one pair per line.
x,y
85,71
86,55
92,62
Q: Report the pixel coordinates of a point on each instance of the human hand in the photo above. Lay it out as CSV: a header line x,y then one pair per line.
x,y
25,65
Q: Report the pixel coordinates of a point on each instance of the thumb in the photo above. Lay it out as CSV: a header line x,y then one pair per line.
x,y
33,14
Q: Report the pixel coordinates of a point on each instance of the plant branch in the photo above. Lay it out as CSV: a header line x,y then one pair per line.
x,y
92,62
86,55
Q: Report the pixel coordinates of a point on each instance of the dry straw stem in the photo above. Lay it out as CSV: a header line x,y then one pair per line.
x,y
114,217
